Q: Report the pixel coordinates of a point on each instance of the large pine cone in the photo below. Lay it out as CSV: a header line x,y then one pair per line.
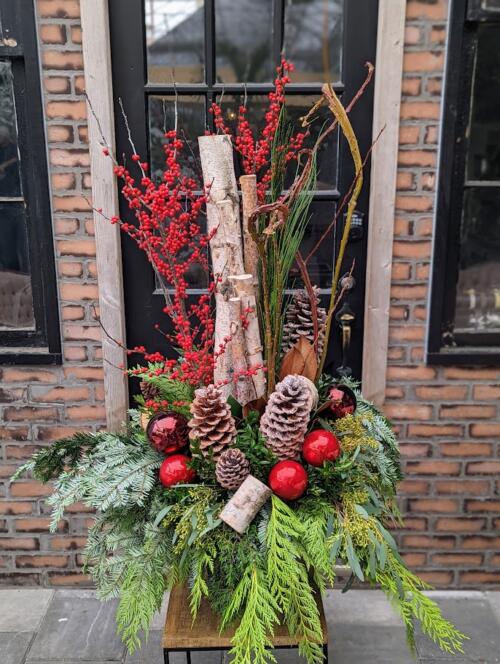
x,y
285,420
149,390
232,468
299,323
212,423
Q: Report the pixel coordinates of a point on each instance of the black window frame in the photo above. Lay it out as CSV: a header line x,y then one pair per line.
x,y
42,345
442,346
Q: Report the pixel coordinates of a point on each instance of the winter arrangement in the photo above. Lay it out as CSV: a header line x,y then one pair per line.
x,y
245,472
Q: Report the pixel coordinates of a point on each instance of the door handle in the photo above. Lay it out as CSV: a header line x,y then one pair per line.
x,y
345,317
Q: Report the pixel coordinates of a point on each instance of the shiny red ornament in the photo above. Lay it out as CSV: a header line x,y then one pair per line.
x,y
343,401
168,432
288,480
175,470
320,446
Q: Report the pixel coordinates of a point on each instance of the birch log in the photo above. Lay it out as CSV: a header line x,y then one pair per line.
x,y
242,508
243,387
223,366
248,184
245,291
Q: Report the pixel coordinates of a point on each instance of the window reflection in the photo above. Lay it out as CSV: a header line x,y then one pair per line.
x,y
313,39
175,40
10,181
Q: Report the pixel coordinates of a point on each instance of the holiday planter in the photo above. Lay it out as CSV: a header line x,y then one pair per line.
x,y
246,472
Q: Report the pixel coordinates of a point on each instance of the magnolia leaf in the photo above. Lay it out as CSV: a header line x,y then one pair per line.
x,y
300,360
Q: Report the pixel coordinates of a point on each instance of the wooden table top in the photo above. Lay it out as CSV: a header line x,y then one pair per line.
x,y
180,633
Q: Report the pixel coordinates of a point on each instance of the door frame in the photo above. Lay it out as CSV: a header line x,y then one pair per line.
x,y
387,97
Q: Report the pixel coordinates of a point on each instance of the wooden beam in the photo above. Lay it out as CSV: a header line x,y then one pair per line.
x,y
386,108
98,83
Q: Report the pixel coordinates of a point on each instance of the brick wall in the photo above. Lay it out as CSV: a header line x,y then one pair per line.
x,y
447,417
40,404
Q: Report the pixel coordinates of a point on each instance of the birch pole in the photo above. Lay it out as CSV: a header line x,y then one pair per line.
x,y
248,184
223,224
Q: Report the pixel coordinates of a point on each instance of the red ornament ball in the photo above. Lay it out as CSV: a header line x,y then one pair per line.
x,y
320,446
288,480
175,470
168,432
343,401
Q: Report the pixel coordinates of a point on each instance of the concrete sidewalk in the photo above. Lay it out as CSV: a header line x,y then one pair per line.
x,y
39,626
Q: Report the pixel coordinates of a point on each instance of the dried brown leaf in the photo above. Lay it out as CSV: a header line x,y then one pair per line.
x,y
300,360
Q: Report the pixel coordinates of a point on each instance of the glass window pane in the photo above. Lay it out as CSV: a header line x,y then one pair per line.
x,y
483,162
16,303
175,40
313,39
478,289
190,125
10,181
244,41
492,4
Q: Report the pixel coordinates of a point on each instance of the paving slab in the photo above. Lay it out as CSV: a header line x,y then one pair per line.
x,y
473,616
369,607
493,599
22,609
77,626
13,646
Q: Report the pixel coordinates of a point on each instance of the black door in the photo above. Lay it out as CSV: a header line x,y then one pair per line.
x,y
202,50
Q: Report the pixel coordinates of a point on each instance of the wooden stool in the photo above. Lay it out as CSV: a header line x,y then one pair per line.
x,y
180,635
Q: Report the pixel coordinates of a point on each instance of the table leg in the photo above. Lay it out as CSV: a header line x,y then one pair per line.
x,y
188,656
325,653
166,656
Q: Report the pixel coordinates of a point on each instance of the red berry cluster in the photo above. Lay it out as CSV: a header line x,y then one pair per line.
x,y
256,152
168,230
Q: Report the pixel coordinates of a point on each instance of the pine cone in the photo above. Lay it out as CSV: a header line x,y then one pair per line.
x,y
212,423
298,321
284,422
149,390
232,468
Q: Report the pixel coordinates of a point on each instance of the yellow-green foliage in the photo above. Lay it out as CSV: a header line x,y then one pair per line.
x,y
352,434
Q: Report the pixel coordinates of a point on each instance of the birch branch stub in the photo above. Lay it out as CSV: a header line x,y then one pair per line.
x,y
243,507
222,369
248,185
242,388
244,289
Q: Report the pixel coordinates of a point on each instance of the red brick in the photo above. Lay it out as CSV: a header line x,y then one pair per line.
x,y
61,394
428,542
410,411
462,487
457,559
438,34
426,10
63,181
73,313
41,561
398,313
409,134
465,412
414,523
411,86
434,430
471,374
52,33
59,8
15,507
434,505
70,269
423,228
57,85
487,392
410,373
434,86
407,333
70,579
434,467
14,433
411,249
66,226
420,110
70,204
62,60
460,525
15,375
30,413
409,292
479,578
483,468
439,579
86,413
465,449
79,85
36,525
415,450
441,392
75,353
67,543
414,559
19,544
51,433
400,271
432,134
405,180
481,542
412,35
69,110
84,373
76,247
482,506
30,489
485,430
76,34
82,333
75,292
60,134
424,61
71,158
419,487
